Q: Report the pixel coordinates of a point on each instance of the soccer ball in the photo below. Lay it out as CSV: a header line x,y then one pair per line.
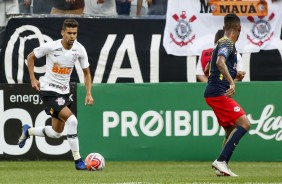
x,y
95,162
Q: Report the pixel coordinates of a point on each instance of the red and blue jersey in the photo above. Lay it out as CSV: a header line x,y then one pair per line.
x,y
217,84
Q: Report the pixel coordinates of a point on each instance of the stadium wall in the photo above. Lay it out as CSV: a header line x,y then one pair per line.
x,y
149,121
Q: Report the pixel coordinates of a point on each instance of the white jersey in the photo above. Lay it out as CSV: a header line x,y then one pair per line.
x,y
59,64
107,8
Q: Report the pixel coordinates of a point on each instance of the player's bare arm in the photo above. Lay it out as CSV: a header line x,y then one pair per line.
x,y
224,71
88,85
202,78
207,68
139,6
30,65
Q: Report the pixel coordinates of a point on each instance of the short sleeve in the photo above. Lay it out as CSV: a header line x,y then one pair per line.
x,y
42,50
225,47
83,59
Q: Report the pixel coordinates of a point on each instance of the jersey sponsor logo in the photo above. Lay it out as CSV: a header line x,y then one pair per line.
x,y
63,88
61,101
61,70
237,109
261,30
181,35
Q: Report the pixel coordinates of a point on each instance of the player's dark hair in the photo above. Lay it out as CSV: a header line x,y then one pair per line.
x,y
219,34
231,21
69,23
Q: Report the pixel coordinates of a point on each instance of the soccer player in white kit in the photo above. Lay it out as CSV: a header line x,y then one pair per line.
x,y
61,56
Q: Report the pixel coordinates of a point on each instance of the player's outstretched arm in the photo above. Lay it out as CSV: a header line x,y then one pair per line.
x,y
88,85
202,78
30,65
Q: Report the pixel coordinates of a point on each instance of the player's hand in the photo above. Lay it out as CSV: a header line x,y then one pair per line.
x,y
35,84
231,91
89,100
240,75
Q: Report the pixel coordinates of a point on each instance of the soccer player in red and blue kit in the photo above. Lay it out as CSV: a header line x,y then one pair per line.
x,y
221,88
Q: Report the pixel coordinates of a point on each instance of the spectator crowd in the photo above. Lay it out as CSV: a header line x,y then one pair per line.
x,y
9,8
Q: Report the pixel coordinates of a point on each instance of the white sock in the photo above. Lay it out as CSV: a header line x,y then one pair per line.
x,y
44,131
71,125
36,131
74,144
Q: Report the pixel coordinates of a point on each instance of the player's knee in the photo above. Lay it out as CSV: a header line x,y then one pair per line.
x,y
57,135
48,131
71,121
71,125
247,126
244,122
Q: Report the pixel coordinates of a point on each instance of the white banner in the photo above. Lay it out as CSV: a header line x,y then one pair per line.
x,y
190,28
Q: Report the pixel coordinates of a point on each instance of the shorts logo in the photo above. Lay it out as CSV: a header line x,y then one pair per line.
x,y
260,30
237,109
51,111
183,29
61,101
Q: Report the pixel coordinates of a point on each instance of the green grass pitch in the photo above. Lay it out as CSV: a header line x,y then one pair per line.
x,y
52,172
